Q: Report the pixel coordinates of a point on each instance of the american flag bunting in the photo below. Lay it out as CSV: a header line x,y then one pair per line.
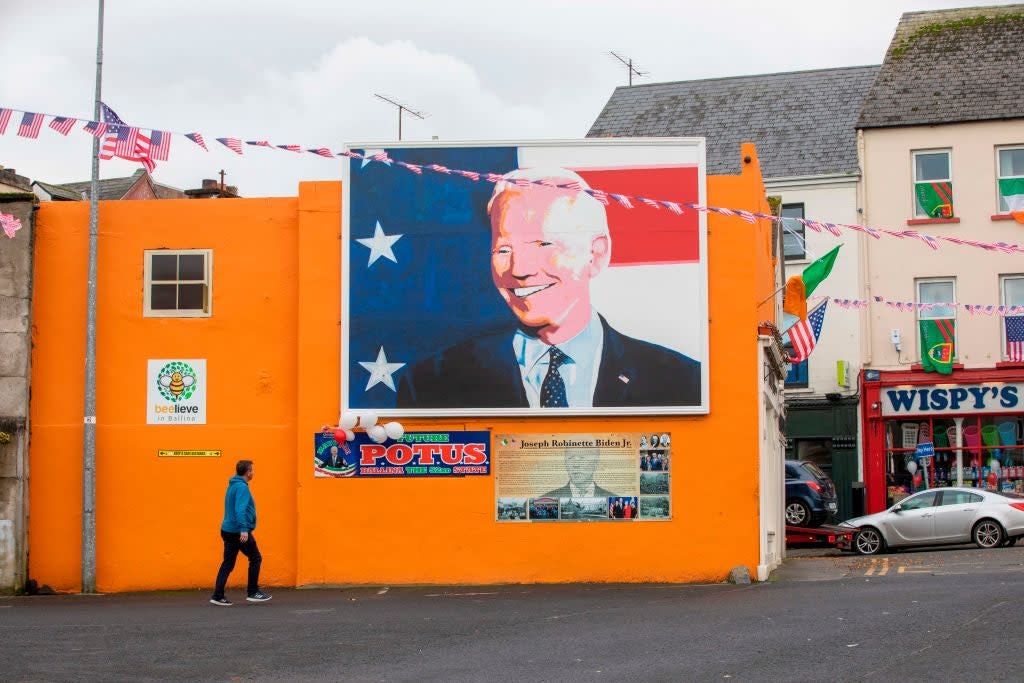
x,y
5,118
97,129
62,124
198,139
30,126
234,144
10,224
159,145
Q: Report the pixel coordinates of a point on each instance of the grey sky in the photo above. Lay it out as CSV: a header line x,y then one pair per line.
x,y
304,71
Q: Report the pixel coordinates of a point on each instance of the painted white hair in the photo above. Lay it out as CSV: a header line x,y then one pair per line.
x,y
574,217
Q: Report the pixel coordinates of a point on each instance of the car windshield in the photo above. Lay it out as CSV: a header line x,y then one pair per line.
x,y
813,469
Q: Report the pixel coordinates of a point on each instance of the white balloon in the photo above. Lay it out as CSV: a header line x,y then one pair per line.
x,y
994,464
367,419
348,420
377,434
350,435
912,467
394,430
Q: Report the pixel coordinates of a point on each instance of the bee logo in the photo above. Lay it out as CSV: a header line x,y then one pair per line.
x,y
177,381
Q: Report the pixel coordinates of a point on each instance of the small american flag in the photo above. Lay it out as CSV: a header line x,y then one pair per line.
x,y
234,144
322,151
1015,338
599,195
30,125
291,148
96,128
804,335
198,139
258,143
62,124
622,199
10,224
159,145
5,118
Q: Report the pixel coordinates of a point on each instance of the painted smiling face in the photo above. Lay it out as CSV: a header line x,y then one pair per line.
x,y
542,260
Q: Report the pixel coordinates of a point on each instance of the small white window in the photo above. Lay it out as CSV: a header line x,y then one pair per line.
x,y
936,291
1010,183
933,185
178,283
794,247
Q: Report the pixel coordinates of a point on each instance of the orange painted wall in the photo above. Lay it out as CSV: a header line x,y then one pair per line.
x,y
157,518
272,350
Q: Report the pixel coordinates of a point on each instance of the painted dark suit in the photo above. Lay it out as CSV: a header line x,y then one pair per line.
x,y
483,373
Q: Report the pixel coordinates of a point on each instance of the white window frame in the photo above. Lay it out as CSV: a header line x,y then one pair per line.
x,y
1002,295
1000,176
913,175
802,236
149,312
917,297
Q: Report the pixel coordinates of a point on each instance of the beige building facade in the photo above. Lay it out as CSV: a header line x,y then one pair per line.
x,y
907,270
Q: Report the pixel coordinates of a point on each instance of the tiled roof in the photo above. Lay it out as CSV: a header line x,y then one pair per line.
x,y
950,66
110,188
802,122
59,191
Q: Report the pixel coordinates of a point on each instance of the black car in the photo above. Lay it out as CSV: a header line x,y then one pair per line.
x,y
810,494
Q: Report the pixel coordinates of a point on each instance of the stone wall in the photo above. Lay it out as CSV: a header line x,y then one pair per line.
x,y
15,354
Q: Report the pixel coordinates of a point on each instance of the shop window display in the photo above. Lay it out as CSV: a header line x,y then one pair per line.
x,y
990,454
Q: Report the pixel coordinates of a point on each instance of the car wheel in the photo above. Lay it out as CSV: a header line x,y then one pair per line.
x,y
868,541
797,513
988,534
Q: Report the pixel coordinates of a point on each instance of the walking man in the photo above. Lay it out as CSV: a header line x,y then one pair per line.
x,y
236,530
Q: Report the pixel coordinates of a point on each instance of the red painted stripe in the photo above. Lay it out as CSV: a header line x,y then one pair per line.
x,y
943,192
641,236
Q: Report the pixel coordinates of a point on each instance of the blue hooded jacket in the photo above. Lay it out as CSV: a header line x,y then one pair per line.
x,y
239,507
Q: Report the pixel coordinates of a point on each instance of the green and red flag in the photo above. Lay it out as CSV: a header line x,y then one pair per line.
x,y
935,198
1011,195
938,346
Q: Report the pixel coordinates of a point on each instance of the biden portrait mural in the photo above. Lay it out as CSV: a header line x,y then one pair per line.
x,y
496,295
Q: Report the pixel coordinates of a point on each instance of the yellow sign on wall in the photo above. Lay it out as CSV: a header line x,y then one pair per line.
x,y
188,454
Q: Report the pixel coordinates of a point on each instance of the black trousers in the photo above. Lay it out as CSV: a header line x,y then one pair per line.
x,y
232,546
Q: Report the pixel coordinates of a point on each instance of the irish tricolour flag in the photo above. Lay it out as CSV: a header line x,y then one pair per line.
x,y
1011,197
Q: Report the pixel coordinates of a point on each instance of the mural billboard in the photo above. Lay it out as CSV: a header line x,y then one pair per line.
x,y
495,295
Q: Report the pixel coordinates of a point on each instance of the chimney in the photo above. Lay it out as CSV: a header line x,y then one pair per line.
x,y
211,190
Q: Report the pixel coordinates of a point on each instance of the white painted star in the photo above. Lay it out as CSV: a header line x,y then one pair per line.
x,y
381,370
370,153
380,245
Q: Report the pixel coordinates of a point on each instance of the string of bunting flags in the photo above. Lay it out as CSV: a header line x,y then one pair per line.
x,y
131,143
910,306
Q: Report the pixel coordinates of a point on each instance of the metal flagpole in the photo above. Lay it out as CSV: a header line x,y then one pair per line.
x,y
89,440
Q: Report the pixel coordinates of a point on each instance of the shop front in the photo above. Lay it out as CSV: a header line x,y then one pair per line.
x,y
924,430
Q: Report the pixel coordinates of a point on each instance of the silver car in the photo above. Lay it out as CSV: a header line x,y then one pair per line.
x,y
942,516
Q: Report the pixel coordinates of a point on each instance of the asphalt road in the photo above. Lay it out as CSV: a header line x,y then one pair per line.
x,y
948,615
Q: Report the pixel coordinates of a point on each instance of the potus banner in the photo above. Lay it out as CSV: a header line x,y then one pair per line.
x,y
414,454
583,477
460,291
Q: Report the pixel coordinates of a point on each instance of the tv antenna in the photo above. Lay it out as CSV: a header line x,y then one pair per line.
x,y
628,63
401,108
